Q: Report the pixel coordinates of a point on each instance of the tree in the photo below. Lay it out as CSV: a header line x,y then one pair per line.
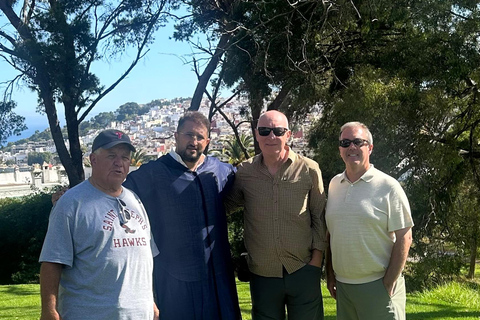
x,y
130,110
419,136
278,52
10,122
420,91
39,157
53,46
139,157
234,148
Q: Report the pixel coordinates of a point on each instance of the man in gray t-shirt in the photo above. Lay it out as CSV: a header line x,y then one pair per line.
x,y
97,258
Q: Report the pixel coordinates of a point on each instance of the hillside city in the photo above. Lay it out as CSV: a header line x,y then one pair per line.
x,y
152,133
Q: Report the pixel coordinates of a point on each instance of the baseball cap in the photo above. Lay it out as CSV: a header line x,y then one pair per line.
x,y
110,138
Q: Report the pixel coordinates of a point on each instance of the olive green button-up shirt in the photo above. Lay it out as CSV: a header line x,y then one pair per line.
x,y
284,216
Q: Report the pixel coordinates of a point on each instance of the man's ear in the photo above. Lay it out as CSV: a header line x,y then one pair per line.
x,y
93,158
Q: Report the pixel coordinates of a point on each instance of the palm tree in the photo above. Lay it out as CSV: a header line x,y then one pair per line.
x,y
233,148
139,157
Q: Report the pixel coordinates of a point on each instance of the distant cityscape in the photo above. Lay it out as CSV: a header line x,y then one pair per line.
x,y
152,133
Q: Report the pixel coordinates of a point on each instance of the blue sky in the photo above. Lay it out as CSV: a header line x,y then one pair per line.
x,y
162,73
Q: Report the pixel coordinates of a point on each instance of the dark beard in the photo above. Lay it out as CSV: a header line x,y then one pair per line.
x,y
189,158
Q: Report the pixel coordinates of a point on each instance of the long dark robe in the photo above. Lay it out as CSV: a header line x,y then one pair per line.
x,y
189,226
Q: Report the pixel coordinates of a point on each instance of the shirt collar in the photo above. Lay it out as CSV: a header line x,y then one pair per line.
x,y
179,159
291,155
367,176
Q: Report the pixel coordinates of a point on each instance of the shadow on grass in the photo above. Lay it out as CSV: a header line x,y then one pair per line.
x,y
443,314
19,313
441,311
20,290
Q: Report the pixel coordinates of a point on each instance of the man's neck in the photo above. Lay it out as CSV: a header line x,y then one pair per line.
x,y
355,173
275,161
194,165
112,191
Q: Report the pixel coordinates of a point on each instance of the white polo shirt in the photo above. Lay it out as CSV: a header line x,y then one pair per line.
x,y
361,218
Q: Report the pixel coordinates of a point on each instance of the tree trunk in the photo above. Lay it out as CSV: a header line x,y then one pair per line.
x,y
207,73
473,250
256,105
280,98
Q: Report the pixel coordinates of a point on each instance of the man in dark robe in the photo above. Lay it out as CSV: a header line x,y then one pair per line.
x,y
183,195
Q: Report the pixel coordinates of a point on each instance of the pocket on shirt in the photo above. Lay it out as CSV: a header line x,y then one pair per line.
x,y
294,193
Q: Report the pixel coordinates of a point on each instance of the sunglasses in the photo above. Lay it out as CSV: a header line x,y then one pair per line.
x,y
124,215
277,131
345,143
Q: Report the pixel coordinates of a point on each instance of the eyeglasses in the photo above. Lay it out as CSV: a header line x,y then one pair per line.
x,y
124,216
277,131
345,143
192,136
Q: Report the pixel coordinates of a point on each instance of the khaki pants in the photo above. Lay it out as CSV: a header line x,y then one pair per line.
x,y
370,301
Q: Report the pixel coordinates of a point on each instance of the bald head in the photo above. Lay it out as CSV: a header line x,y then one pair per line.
x,y
273,118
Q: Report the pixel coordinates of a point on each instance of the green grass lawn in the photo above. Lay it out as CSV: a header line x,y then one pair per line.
x,y
454,301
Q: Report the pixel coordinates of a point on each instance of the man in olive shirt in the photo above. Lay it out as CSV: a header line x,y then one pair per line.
x,y
284,201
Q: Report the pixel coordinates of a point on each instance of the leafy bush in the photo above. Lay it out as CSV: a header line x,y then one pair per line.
x,y
23,225
235,232
432,270
237,246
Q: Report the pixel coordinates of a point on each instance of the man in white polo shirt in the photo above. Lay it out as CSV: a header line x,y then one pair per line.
x,y
369,225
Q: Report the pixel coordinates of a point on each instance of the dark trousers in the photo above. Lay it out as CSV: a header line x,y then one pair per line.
x,y
195,300
300,292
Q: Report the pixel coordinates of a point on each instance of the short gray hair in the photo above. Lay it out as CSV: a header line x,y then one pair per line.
x,y
354,124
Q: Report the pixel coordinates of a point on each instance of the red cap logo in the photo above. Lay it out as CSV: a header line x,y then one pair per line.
x,y
119,134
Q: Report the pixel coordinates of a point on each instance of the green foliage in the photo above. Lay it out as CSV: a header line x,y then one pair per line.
x,y
100,121
235,232
434,269
39,157
10,123
234,150
130,110
23,225
40,136
426,133
140,157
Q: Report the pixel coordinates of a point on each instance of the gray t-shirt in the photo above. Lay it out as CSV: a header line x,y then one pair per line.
x,y
108,268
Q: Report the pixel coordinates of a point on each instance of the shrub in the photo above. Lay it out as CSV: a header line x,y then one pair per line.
x,y
432,270
23,225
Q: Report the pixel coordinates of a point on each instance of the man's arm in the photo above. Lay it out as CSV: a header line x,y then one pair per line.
x,y
398,258
49,282
331,281
316,205
233,199
317,257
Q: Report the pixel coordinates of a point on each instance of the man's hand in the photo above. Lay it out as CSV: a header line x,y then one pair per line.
x,y
390,287
331,281
317,257
156,312
332,285
50,315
